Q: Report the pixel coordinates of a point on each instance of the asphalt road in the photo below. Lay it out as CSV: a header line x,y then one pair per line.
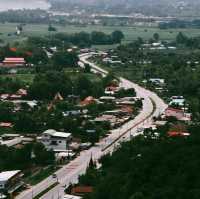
x,y
70,173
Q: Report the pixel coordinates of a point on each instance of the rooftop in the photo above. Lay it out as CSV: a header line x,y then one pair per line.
x,y
14,59
82,189
6,175
54,133
174,109
67,196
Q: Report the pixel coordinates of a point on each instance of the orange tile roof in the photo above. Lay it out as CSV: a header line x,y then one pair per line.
x,y
13,49
87,101
82,190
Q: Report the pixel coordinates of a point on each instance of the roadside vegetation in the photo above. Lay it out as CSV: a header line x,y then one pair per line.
x,y
149,168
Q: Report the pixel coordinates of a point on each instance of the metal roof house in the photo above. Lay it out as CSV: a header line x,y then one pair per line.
x,y
56,141
10,181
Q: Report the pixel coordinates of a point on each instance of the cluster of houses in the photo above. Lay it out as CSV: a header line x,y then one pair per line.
x,y
15,140
123,111
177,106
109,58
157,46
65,146
158,84
21,93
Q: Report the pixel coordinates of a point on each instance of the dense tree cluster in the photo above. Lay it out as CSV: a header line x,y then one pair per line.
x,y
22,158
24,16
180,24
81,39
47,85
148,168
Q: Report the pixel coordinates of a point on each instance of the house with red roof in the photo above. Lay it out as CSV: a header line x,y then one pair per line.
x,y
87,101
178,134
14,61
82,190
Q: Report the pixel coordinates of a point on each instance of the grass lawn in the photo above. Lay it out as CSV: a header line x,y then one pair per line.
x,y
131,33
74,74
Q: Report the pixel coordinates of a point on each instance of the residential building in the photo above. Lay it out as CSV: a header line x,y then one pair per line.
x,y
14,140
111,90
10,181
81,190
56,141
157,81
177,101
88,101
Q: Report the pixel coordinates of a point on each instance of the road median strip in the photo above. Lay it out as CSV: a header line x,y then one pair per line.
x,y
46,191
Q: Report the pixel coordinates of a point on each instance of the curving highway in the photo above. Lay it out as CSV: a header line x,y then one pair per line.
x,y
152,106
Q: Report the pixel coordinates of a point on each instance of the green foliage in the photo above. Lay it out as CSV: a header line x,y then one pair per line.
x,y
6,113
42,156
87,68
63,59
9,85
156,36
13,158
138,168
117,36
51,28
45,86
126,93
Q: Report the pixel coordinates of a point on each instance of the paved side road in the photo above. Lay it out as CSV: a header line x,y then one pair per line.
x,y
70,173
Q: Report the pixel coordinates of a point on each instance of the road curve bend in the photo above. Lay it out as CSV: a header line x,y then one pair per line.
x,y
153,105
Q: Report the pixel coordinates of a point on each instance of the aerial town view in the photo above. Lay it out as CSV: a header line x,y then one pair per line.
x,y
99,99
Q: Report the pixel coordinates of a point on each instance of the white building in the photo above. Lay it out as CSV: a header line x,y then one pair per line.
x,y
67,196
157,80
177,100
10,181
56,141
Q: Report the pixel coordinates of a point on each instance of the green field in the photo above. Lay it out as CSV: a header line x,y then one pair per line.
x,y
131,33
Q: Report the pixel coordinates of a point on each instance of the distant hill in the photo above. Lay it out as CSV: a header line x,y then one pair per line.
x,y
147,7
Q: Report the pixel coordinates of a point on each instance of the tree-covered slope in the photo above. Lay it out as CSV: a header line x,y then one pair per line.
x,y
152,169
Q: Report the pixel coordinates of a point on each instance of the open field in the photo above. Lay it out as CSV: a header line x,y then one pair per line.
x,y
131,33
